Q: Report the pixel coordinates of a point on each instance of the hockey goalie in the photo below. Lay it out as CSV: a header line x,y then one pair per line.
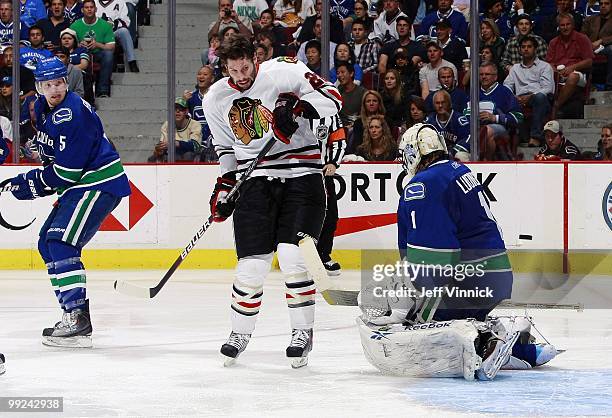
x,y
430,315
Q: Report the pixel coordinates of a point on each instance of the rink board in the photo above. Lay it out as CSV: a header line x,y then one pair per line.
x,y
565,207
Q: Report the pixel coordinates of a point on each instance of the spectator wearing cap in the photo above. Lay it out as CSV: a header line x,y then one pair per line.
x,y
512,53
6,21
96,35
453,47
366,50
532,81
557,147
415,50
448,82
75,75
188,136
36,51
53,25
428,75
79,56
494,10
385,26
408,72
6,96
445,11
26,76
599,30
571,55
548,26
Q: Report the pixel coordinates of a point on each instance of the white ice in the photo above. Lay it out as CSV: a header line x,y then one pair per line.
x,y
161,357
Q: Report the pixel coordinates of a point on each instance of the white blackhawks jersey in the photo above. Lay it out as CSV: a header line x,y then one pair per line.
x,y
241,121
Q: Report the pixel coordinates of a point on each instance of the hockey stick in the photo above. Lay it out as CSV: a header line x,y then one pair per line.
x,y
150,292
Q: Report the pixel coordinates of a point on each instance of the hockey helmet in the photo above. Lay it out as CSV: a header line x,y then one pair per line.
x,y
419,140
50,69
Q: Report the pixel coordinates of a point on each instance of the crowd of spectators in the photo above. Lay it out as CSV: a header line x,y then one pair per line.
x,y
538,62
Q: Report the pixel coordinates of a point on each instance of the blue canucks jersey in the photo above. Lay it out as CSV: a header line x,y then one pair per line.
x,y
456,131
500,101
444,219
456,19
74,149
28,56
6,32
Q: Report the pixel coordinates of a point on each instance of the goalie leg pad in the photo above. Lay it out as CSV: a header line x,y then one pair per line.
x,y
247,291
299,287
439,349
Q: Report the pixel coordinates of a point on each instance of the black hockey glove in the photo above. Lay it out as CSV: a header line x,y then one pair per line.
x,y
219,207
286,110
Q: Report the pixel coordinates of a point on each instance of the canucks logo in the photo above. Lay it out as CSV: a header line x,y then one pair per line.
x,y
249,119
62,115
414,191
606,206
379,335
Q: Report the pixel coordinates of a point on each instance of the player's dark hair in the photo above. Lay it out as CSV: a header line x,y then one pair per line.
x,y
235,48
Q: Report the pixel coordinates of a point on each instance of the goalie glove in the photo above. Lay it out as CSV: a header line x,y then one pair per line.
x,y
30,185
220,208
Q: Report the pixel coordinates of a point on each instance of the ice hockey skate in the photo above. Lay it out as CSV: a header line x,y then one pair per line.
x,y
74,330
2,361
497,352
236,343
300,346
332,268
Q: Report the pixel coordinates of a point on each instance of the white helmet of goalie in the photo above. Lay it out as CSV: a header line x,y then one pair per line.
x,y
418,141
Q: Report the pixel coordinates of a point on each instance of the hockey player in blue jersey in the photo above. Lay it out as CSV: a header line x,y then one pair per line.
x,y
82,167
457,272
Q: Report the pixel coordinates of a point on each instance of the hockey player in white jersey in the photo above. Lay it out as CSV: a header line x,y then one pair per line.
x,y
284,199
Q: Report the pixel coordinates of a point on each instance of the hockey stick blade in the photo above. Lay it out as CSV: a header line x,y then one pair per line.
x,y
143,292
340,297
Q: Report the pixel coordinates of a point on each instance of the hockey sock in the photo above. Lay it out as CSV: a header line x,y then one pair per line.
x,y
43,249
299,288
70,274
247,291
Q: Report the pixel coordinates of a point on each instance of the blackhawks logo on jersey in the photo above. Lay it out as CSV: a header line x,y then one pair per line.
x,y
249,119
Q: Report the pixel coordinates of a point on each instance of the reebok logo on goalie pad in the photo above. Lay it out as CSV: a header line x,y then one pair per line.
x,y
429,326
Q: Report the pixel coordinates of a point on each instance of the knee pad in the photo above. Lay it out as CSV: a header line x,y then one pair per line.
x,y
248,285
290,258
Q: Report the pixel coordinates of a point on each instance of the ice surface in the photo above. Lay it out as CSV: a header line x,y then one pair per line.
x,y
161,357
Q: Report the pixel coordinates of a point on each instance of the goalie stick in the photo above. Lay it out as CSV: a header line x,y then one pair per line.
x,y
150,292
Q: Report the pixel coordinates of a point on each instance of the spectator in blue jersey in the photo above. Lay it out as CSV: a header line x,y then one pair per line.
x,y
452,125
342,8
588,7
79,56
459,98
205,78
36,51
445,11
344,53
31,12
453,47
533,83
53,25
494,11
500,112
73,10
5,151
6,21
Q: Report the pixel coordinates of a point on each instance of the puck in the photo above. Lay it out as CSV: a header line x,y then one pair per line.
x,y
526,237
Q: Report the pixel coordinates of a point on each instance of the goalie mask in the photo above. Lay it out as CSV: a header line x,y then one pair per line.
x,y
418,141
